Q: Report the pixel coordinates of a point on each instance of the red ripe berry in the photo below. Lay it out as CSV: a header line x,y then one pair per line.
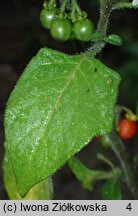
x,y
127,128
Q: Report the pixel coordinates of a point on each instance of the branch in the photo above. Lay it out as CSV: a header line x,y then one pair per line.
x,y
124,5
118,148
88,176
106,7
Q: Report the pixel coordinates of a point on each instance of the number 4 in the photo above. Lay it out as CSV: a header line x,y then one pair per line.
x,y
129,207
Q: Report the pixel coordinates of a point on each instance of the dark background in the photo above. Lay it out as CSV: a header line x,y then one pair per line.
x,y
21,36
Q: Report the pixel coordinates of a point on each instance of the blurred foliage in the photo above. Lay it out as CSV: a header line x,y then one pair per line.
x,y
129,70
125,58
111,190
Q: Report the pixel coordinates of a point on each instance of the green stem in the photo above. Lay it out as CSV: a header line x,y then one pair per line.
x,y
118,148
115,142
96,48
129,113
106,7
63,6
123,5
51,3
105,160
116,172
105,11
75,7
88,176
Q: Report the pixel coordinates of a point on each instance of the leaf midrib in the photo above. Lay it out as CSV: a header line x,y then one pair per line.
x,y
64,89
60,96
69,80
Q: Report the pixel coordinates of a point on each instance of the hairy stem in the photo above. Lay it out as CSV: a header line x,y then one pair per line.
x,y
106,7
105,11
123,5
118,148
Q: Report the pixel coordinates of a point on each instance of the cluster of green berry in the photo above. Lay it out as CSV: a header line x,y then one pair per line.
x,y
66,21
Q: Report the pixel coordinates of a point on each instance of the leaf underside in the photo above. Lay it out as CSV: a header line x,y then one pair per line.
x,y
58,105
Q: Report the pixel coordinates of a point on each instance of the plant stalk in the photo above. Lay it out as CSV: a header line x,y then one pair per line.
x,y
105,11
76,7
119,149
106,7
51,3
63,6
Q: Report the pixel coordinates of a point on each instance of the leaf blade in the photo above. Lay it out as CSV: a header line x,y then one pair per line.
x,y
41,191
49,119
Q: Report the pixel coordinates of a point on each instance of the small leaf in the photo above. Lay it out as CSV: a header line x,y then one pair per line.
x,y
41,191
58,105
97,36
111,189
114,39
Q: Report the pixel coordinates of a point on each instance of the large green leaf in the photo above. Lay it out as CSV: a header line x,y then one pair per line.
x,y
41,191
59,104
